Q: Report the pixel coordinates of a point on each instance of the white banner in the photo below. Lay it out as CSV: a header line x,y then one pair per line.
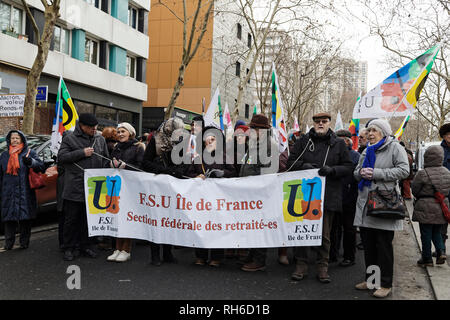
x,y
11,105
274,210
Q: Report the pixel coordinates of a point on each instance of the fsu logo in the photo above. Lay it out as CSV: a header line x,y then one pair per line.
x,y
104,194
302,200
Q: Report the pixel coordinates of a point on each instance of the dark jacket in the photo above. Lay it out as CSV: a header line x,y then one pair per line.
x,y
131,152
18,200
163,164
71,156
315,150
256,167
426,209
349,183
446,148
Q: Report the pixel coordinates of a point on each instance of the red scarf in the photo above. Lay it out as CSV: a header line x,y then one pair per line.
x,y
13,162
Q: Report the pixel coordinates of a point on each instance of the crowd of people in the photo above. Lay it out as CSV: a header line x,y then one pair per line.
x,y
381,163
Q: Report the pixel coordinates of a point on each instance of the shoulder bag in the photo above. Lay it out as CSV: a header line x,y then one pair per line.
x,y
386,204
440,199
36,179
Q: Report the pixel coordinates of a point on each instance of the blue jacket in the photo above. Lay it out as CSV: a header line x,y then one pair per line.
x,y
18,200
446,155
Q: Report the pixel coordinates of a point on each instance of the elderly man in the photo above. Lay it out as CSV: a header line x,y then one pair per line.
x,y
81,149
321,149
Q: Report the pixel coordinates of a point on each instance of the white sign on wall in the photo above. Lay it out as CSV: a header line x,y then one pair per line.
x,y
11,105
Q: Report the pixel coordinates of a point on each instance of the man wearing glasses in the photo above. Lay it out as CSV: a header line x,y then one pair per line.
x,y
84,148
321,149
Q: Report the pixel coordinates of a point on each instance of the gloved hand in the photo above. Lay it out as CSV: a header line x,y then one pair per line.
x,y
326,171
307,166
27,161
217,173
366,173
122,165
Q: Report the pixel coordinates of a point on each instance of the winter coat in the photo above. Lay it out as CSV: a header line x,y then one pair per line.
x,y
131,152
349,183
256,167
162,164
18,200
426,209
71,156
315,150
391,166
446,161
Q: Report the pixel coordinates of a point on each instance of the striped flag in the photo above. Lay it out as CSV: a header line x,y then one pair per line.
x,y
354,127
65,116
401,130
278,122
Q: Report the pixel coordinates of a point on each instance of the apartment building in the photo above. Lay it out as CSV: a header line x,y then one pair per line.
x,y
99,47
220,61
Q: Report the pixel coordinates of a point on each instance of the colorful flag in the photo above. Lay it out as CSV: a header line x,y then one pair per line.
x,y
213,116
401,130
296,126
354,127
255,111
227,117
65,116
339,124
278,113
399,93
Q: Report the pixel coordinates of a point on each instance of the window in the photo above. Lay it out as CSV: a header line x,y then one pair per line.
x,y
61,40
248,70
238,68
91,51
132,17
131,67
239,31
95,3
11,18
249,40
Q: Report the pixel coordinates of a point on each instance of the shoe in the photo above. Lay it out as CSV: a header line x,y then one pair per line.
x,y
346,263
214,263
283,260
382,292
23,246
301,271
200,262
90,253
253,266
68,255
441,260
362,286
322,275
425,263
7,248
113,256
123,256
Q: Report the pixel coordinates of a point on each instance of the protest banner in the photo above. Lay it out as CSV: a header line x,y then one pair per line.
x,y
11,105
273,210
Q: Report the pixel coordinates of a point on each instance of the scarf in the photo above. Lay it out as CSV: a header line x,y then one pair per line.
x,y
369,162
13,162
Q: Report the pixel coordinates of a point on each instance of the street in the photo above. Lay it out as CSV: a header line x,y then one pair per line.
x,y
39,273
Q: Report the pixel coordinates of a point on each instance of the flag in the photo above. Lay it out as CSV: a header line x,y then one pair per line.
x,y
401,130
203,106
212,116
354,127
339,125
255,111
398,94
296,126
227,117
278,113
65,116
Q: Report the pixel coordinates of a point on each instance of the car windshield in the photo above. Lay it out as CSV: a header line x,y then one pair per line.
x,y
33,142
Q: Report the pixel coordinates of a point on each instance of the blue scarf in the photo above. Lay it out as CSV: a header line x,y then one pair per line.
x,y
369,162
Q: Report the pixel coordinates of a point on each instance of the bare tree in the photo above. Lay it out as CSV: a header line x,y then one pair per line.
x,y
51,13
194,29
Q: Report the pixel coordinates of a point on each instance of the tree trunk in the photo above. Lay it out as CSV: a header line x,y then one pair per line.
x,y
50,14
176,91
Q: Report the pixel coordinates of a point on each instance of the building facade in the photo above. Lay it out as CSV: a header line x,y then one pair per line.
x,y
219,62
99,47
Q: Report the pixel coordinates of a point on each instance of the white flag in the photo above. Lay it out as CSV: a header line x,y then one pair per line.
x,y
212,116
339,124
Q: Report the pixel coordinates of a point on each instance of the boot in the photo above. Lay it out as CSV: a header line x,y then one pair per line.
x,y
301,271
322,274
155,254
167,254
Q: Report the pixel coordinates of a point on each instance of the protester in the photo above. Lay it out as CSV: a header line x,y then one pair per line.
x,y
343,221
444,133
260,141
213,148
60,201
362,139
381,165
405,185
110,135
321,149
18,200
158,160
195,140
127,154
434,177
81,149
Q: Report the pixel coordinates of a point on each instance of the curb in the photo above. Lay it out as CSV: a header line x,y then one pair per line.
x,y
439,275
47,227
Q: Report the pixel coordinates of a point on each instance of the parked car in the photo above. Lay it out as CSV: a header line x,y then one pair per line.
x,y
46,196
420,153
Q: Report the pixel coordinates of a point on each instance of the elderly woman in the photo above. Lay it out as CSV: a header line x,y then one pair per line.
x,y
18,200
382,165
128,154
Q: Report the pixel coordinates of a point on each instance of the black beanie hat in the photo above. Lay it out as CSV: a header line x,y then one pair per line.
x,y
88,119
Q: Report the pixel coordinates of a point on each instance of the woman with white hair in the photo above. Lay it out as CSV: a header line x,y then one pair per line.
x,y
381,166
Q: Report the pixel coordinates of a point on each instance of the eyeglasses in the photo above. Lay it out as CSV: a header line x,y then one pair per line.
x,y
321,121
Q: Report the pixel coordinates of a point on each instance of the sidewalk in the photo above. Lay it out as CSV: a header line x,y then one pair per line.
x,y
439,274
